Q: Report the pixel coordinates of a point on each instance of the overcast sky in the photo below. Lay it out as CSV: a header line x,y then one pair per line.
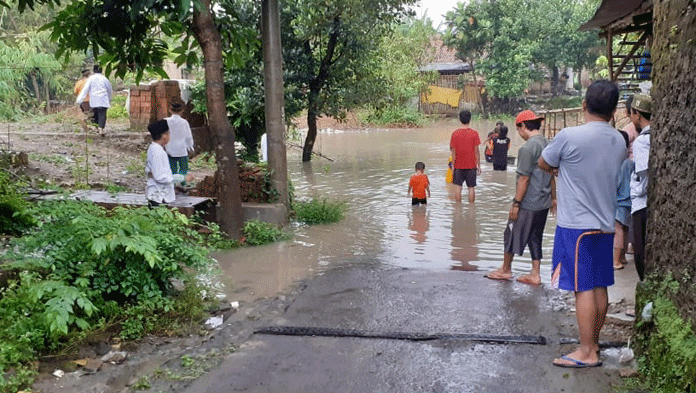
x,y
435,9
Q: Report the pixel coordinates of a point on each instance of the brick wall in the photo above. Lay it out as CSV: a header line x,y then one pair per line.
x,y
150,103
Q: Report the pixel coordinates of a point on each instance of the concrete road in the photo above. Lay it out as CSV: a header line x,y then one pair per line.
x,y
414,301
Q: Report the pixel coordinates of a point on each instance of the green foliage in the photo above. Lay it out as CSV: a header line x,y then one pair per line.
x,y
203,161
667,344
507,49
30,76
395,116
258,232
14,217
118,108
125,254
83,268
319,211
402,51
333,50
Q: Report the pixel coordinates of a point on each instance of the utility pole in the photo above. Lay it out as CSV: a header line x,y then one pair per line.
x,y
275,99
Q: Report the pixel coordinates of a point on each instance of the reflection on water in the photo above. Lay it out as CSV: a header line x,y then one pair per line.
x,y
371,173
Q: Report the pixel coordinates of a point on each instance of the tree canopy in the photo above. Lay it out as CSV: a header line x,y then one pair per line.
x,y
508,40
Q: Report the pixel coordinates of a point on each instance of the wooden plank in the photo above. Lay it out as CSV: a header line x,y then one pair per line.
x,y
187,205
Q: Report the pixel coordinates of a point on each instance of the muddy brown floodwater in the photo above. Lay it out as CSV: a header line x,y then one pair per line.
x,y
370,172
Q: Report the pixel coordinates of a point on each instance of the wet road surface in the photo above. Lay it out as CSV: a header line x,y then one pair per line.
x,y
390,267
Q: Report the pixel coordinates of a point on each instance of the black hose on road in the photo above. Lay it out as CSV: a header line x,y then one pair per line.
x,y
335,332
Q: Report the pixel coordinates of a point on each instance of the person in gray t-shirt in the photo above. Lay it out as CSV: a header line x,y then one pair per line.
x,y
587,159
530,206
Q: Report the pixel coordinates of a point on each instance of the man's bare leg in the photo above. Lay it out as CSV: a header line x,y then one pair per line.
x,y
534,277
602,305
589,324
457,193
472,194
505,271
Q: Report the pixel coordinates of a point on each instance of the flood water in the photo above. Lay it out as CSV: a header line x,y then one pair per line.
x,y
370,172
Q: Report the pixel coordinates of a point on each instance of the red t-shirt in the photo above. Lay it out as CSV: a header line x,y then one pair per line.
x,y
418,184
465,141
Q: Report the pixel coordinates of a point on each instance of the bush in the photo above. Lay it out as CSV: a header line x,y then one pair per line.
x,y
14,218
84,267
319,211
258,232
395,116
118,108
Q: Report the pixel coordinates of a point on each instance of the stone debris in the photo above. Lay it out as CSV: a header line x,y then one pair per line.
x,y
114,357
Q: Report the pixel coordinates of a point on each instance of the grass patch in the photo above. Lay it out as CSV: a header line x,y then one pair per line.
x,y
258,232
118,110
203,161
319,211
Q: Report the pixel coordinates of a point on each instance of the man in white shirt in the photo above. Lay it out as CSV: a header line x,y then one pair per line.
x,y
99,90
641,110
180,141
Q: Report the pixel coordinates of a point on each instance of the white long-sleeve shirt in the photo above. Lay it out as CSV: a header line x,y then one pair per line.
x,y
99,90
181,140
160,181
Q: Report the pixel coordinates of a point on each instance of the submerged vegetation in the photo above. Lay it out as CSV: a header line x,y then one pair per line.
x,y
319,211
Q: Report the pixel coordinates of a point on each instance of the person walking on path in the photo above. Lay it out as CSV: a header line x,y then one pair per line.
x,y
160,180
501,145
180,140
419,185
583,244
84,106
534,196
98,88
464,145
641,111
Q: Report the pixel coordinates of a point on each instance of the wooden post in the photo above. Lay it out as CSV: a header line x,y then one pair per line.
x,y
610,59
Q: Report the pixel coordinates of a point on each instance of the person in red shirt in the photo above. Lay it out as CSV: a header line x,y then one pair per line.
x,y
464,145
418,186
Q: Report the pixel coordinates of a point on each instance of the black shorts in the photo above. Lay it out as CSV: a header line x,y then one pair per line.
x,y
527,231
99,116
418,201
459,176
500,167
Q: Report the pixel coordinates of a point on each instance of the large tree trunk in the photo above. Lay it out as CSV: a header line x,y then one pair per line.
x,y
229,211
275,98
672,192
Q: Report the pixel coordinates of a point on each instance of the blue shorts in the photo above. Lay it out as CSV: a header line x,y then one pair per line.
x,y
582,259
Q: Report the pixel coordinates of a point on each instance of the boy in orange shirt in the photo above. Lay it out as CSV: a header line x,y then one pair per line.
x,y
418,185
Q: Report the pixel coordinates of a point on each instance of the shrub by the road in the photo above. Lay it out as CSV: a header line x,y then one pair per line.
x,y
84,268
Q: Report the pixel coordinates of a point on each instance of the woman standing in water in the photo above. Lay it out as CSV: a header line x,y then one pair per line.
x,y
501,144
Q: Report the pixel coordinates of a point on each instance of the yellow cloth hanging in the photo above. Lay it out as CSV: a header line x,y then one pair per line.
x,y
442,95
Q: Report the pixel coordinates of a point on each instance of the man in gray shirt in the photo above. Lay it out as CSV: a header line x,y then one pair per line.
x,y
587,160
534,195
